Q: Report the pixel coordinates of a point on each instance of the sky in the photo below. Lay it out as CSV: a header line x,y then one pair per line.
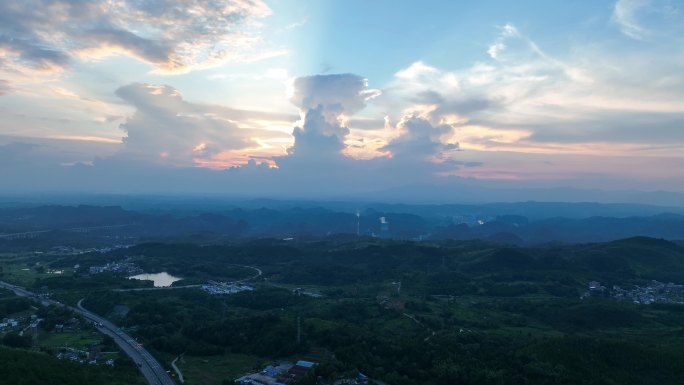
x,y
340,98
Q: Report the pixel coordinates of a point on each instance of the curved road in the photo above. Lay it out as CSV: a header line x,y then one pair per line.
x,y
150,368
255,276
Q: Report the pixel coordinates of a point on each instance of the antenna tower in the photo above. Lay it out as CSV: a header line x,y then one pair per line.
x,y
358,223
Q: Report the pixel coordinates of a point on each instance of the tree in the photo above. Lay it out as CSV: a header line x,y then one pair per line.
x,y
14,340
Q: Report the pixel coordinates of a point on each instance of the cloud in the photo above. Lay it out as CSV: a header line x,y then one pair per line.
x,y
4,87
654,21
507,32
30,52
495,49
298,24
645,129
318,138
417,149
321,157
579,99
420,140
15,153
416,71
19,153
165,129
625,15
324,100
337,94
520,97
174,36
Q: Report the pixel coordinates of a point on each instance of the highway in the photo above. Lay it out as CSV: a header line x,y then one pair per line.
x,y
153,372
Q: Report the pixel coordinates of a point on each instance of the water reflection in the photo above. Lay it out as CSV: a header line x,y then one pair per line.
x,y
160,279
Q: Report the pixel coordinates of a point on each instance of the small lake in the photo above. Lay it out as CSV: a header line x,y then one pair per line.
x,y
160,279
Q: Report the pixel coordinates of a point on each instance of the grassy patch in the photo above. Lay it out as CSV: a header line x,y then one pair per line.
x,y
72,340
22,271
213,370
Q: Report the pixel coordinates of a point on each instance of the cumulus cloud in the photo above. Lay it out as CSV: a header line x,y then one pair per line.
x,y
337,93
527,99
324,100
495,49
318,137
417,148
165,129
174,36
420,140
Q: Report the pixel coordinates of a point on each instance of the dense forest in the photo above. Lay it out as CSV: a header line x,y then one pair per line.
x,y
22,367
467,312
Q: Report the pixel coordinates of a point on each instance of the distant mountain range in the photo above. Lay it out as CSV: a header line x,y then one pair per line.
x,y
476,192
514,223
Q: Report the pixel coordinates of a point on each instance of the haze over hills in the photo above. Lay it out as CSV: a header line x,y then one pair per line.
x,y
479,192
458,192
517,223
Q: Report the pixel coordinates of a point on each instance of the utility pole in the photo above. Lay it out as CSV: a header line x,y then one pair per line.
x,y
358,223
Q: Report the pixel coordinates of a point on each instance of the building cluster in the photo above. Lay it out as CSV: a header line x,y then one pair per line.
x,y
307,293
654,292
361,379
72,325
213,287
117,267
91,356
9,324
595,288
71,354
34,321
106,249
102,250
30,323
281,374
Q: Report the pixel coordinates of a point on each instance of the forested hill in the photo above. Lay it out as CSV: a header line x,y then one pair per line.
x,y
466,312
464,267
22,367
513,224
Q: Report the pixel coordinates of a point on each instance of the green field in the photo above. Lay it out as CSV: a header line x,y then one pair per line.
x,y
22,269
78,340
213,370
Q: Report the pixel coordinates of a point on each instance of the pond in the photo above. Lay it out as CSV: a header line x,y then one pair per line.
x,y
160,279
